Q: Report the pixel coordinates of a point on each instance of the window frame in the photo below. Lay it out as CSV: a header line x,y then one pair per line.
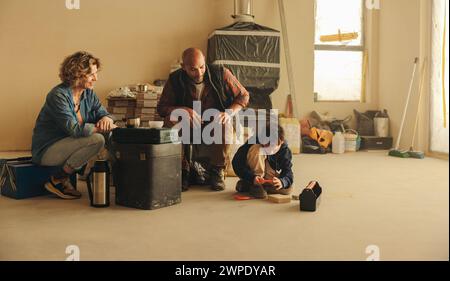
x,y
430,149
359,48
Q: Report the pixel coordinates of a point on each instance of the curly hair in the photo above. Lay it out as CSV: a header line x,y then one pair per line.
x,y
77,66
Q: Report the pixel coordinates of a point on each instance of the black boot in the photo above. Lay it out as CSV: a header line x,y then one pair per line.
x,y
198,174
185,180
258,192
243,186
217,179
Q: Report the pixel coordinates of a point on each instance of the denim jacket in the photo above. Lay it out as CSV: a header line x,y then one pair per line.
x,y
58,120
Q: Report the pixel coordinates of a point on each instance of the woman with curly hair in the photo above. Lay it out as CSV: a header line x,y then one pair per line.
x,y
68,130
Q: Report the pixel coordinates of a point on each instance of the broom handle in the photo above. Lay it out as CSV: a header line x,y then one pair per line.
x,y
444,105
287,53
422,81
397,144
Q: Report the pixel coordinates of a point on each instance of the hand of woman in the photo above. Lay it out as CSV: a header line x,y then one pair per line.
x,y
105,124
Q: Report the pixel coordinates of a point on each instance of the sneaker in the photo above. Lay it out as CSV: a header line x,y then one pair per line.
x,y
84,172
58,190
69,189
243,186
217,179
258,192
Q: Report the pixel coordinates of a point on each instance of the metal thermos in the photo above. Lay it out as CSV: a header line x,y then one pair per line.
x,y
98,184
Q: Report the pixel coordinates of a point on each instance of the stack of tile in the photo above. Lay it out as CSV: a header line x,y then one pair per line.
x,y
122,107
146,103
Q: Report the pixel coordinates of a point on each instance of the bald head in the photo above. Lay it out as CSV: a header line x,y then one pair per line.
x,y
194,64
192,54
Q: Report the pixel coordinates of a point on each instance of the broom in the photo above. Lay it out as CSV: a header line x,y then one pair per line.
x,y
396,152
411,152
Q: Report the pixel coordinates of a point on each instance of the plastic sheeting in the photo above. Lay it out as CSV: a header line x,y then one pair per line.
x,y
252,53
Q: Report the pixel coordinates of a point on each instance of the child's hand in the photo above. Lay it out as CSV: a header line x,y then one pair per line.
x,y
258,180
277,183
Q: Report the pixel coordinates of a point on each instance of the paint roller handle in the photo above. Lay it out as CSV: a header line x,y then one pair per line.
x,y
263,181
266,181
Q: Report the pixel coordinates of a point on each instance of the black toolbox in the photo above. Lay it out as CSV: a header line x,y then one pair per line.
x,y
144,135
147,176
376,143
20,178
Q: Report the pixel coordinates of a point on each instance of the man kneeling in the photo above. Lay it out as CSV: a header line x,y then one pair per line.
x,y
264,169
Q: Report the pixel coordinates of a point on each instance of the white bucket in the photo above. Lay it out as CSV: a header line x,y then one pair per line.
x,y
351,137
381,127
338,144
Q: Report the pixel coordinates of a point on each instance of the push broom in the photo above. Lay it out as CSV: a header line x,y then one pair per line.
x,y
411,152
396,152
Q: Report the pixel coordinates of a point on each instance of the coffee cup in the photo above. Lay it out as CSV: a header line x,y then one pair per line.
x,y
133,123
143,88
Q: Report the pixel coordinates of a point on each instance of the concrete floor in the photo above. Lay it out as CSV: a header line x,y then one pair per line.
x,y
399,205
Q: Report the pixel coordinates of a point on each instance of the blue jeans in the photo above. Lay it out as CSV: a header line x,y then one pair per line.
x,y
73,152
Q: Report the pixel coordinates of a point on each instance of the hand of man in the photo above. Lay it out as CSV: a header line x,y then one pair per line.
x,y
222,118
258,180
277,183
194,119
105,125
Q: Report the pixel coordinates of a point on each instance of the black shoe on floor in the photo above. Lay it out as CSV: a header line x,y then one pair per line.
x,y
258,192
185,180
198,174
217,179
243,186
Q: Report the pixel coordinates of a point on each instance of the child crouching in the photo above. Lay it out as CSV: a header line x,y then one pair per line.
x,y
264,169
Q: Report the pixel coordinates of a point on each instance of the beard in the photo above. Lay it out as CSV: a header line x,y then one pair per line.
x,y
197,80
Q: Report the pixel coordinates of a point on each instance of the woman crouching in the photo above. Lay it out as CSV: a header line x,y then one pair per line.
x,y
68,130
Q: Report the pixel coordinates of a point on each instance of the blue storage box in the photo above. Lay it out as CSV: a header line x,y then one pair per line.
x,y
20,178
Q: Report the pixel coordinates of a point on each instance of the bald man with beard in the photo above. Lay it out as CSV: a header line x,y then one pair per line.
x,y
214,87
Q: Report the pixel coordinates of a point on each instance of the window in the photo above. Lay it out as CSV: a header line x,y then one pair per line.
x,y
339,56
439,79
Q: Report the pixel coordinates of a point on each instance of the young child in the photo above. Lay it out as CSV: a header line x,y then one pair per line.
x,y
263,169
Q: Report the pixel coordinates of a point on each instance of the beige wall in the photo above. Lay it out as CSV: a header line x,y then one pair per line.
x,y
137,41
400,43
